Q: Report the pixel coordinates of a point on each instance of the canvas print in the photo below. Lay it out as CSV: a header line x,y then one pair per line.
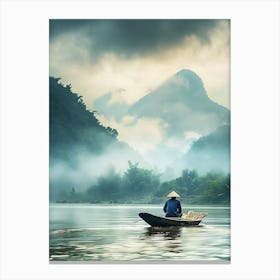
x,y
139,140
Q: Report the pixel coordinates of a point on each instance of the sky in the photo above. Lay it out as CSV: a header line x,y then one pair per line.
x,y
120,61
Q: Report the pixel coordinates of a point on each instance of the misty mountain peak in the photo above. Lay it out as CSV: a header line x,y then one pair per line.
x,y
182,103
186,73
190,81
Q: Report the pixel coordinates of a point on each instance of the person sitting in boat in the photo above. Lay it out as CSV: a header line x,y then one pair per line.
x,y
172,207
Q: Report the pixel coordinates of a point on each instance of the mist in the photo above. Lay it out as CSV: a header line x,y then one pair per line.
x,y
122,176
90,177
85,167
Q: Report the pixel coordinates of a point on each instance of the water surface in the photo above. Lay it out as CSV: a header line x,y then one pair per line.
x,y
87,232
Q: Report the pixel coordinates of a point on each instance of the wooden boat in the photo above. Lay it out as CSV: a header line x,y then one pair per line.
x,y
189,219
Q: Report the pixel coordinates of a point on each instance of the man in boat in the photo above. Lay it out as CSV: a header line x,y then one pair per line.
x,y
172,207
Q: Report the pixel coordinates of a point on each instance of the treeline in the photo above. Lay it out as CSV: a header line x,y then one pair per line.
x,y
140,185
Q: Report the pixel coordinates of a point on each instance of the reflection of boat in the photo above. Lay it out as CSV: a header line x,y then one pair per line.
x,y
166,232
189,219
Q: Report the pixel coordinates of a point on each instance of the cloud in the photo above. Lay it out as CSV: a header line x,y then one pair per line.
x,y
143,136
111,105
131,37
191,135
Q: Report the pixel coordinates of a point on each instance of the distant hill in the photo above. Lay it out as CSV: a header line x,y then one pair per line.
x,y
210,153
182,103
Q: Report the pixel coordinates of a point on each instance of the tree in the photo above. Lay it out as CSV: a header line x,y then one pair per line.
x,y
138,182
216,188
190,181
107,187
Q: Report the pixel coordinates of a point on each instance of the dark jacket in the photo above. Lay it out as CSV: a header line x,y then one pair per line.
x,y
172,208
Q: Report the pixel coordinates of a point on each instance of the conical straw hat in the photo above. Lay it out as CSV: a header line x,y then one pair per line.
x,y
173,194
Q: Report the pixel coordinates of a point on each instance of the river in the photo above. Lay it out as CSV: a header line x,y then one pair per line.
x,y
109,233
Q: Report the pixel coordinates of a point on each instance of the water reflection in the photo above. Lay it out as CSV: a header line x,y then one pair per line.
x,y
168,232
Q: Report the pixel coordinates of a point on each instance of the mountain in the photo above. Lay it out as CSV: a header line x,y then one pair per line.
x,y
182,103
210,153
186,113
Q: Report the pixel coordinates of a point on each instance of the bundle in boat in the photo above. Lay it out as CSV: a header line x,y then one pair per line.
x,y
192,215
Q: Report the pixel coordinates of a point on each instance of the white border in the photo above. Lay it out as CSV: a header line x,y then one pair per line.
x,y
255,137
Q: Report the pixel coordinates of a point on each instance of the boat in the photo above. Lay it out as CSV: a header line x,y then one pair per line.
x,y
190,219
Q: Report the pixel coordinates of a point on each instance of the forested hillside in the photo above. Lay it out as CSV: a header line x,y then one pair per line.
x,y
73,126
